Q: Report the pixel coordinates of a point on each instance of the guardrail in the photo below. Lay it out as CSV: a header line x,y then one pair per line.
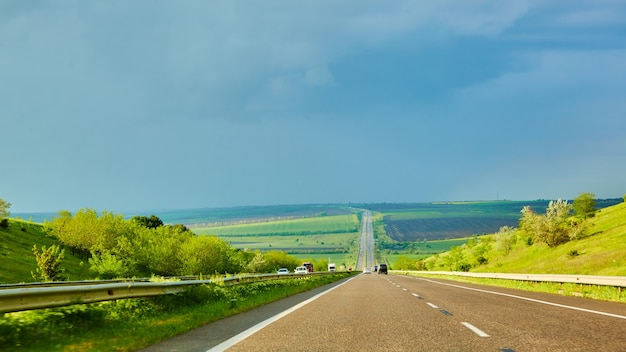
x,y
617,281
56,294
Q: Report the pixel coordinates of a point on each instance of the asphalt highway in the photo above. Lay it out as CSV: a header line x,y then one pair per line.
x,y
399,313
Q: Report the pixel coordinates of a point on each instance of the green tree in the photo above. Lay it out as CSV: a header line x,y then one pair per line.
x,y
108,266
48,263
553,228
151,222
207,255
585,205
4,213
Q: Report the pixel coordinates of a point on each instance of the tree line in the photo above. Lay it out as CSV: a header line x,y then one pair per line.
x,y
144,246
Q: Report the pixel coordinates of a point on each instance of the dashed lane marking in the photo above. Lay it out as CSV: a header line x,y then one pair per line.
x,y
476,330
432,305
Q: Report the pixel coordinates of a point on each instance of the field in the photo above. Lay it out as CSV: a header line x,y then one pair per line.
x,y
320,237
445,220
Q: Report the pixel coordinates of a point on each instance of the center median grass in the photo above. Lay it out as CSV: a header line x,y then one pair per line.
x,y
131,324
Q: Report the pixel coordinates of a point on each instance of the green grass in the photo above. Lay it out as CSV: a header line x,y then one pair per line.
x,y
306,226
602,253
17,259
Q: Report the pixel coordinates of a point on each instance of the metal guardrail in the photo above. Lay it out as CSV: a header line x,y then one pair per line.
x,y
616,281
56,294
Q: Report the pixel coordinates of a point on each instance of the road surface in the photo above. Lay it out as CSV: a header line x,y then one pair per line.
x,y
400,313
366,243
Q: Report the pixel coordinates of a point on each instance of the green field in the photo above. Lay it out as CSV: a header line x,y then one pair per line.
x,y
418,250
314,237
295,227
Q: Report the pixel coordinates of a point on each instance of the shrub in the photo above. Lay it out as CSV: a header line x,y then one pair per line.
x,y
48,263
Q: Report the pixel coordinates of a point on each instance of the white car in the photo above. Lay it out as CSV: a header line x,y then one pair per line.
x,y
301,270
367,271
282,271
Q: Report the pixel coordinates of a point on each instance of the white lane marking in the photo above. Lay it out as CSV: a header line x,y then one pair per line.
x,y
247,333
476,330
416,295
530,299
432,305
404,289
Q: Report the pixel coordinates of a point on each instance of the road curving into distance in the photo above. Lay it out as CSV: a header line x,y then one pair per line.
x,y
401,313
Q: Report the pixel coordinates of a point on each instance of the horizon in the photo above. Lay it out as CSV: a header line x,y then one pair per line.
x,y
146,212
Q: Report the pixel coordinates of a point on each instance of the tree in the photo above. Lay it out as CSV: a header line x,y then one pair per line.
x,y
4,213
48,263
151,222
553,228
585,205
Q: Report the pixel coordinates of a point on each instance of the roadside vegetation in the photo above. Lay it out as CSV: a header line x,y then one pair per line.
x,y
568,239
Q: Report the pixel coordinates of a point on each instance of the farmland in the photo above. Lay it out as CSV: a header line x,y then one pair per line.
x,y
416,222
330,237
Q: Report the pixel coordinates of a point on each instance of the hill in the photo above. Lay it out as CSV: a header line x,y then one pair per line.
x,y
601,252
17,259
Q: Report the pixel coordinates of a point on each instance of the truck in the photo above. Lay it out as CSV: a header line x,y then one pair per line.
x,y
332,267
309,266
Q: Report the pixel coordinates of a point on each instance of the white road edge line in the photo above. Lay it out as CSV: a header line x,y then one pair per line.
x,y
530,299
432,305
250,331
476,330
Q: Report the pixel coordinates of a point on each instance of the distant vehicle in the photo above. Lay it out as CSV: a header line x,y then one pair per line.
x,y
332,267
282,271
367,271
382,269
309,266
301,270
375,267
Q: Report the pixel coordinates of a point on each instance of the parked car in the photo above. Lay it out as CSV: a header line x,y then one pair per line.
x,y
301,270
282,271
382,269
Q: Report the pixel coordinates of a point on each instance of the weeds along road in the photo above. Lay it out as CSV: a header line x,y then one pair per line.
x,y
399,313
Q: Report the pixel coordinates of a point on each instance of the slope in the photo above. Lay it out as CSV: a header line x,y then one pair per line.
x,y
17,259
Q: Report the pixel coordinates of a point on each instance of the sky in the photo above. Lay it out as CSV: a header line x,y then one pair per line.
x,y
159,104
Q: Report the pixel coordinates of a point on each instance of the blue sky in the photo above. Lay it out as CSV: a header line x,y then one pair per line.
x,y
138,105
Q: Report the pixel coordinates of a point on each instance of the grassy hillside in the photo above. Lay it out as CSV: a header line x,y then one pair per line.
x,y
602,252
17,259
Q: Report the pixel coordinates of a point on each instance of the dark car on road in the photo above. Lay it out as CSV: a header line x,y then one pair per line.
x,y
382,269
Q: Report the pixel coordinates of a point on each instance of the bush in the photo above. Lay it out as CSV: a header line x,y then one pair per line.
x,y
48,263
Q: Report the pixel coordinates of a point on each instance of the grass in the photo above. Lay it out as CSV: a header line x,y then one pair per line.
x,y
306,226
601,253
17,259
132,324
